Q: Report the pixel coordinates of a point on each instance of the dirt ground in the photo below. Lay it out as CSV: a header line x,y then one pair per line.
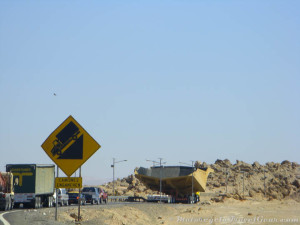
x,y
262,194
230,211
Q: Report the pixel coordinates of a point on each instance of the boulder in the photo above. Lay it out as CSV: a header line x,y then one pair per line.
x,y
256,165
286,162
296,183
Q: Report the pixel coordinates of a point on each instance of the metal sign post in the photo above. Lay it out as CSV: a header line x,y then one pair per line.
x,y
56,199
79,200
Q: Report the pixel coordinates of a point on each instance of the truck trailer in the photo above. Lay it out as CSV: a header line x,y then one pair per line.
x,y
33,184
6,191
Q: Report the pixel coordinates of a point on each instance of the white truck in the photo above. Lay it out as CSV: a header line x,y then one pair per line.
x,y
33,184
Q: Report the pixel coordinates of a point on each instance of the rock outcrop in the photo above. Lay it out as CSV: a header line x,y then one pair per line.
x,y
269,181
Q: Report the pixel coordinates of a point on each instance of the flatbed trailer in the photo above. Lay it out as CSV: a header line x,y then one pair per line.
x,y
181,183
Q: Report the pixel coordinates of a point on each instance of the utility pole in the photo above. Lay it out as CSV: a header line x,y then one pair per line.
x,y
193,169
226,178
265,182
113,166
160,178
193,182
243,182
160,174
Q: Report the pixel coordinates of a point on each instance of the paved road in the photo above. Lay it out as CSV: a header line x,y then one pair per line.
x,y
35,216
5,217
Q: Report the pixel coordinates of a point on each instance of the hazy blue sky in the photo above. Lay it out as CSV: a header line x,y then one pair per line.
x,y
181,80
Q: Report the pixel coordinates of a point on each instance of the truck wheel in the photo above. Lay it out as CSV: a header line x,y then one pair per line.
x,y
40,202
35,203
50,201
11,204
6,205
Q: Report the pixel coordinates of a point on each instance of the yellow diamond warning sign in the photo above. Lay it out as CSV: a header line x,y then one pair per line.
x,y
70,146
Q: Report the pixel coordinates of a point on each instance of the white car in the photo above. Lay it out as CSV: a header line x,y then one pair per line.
x,y
63,197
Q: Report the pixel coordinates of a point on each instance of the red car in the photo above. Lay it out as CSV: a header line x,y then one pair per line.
x,y
103,196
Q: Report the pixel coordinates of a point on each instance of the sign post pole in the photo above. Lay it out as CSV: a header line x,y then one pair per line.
x,y
79,199
56,200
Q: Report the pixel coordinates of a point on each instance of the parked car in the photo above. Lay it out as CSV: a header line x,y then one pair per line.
x,y
74,198
103,195
91,194
63,197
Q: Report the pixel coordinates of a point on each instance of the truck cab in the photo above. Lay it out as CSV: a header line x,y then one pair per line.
x,y
6,191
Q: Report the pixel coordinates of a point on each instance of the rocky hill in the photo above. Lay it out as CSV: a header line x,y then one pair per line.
x,y
240,180
272,180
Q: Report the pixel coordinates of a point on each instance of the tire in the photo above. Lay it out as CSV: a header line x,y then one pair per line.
x,y
11,204
50,201
6,208
37,203
41,202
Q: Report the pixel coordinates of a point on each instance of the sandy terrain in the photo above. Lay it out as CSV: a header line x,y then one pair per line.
x,y
229,212
262,194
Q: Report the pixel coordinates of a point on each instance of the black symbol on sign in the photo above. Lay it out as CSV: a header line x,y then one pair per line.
x,y
67,135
